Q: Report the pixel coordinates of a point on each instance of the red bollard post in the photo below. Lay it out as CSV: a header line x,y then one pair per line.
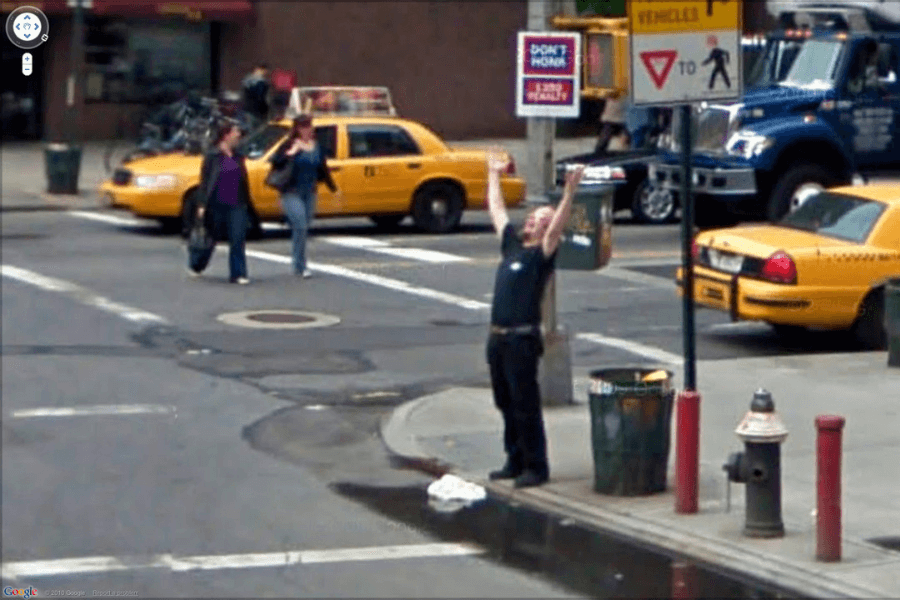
x,y
685,583
828,487
687,452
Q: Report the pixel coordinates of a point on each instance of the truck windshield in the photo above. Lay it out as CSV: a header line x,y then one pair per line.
x,y
773,64
815,65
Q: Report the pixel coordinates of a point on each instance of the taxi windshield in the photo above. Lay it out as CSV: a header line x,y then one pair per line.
x,y
816,65
260,141
840,216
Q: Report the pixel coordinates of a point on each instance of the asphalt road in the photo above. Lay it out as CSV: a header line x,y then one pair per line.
x,y
211,468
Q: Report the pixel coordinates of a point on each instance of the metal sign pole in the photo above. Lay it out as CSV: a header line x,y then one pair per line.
x,y
687,234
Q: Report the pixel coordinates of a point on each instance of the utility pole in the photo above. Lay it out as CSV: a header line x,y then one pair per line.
x,y
540,131
73,85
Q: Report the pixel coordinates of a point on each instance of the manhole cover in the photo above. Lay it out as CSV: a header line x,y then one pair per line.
x,y
278,319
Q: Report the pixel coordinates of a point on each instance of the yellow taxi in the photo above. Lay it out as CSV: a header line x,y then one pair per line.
x,y
824,266
386,168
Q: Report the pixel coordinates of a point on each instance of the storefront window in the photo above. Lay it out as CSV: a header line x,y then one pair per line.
x,y
145,62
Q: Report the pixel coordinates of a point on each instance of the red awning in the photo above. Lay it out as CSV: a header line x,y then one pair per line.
x,y
194,10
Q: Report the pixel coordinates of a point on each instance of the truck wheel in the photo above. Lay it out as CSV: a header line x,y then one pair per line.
x,y
653,204
869,329
437,207
795,187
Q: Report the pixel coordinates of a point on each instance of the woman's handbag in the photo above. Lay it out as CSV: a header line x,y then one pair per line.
x,y
280,178
200,247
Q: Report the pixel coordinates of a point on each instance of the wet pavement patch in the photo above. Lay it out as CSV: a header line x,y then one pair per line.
x,y
581,559
278,319
891,542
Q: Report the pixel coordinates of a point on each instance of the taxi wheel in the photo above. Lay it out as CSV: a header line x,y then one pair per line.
x,y
869,329
188,206
437,208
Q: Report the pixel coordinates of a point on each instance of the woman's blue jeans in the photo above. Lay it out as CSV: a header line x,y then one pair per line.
x,y
299,209
231,223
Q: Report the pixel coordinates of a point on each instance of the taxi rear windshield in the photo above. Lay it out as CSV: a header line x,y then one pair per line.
x,y
840,216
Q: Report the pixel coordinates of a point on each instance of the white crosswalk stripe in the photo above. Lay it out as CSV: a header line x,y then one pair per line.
x,y
104,564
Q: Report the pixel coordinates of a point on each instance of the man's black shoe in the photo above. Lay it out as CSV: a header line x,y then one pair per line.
x,y
507,472
530,479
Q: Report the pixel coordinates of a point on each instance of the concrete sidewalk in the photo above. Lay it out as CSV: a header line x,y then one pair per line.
x,y
24,177
461,429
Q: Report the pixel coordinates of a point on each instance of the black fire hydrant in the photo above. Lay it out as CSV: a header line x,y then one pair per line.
x,y
759,466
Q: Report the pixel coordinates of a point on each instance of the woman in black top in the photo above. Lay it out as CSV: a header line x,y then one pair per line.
x,y
224,198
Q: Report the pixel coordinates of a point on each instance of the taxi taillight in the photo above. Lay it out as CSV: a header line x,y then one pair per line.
x,y
511,167
779,268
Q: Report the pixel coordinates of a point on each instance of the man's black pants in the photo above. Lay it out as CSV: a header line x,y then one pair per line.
x,y
513,362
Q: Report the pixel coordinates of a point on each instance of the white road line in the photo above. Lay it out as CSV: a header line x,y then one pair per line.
x,y
386,282
633,347
112,409
430,256
104,564
80,294
112,219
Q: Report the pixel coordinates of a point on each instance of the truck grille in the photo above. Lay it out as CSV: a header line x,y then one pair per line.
x,y
712,130
121,177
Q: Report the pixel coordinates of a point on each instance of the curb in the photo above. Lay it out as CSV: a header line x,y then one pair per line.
x,y
783,573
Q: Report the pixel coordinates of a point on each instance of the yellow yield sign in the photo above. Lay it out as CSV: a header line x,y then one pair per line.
x,y
683,16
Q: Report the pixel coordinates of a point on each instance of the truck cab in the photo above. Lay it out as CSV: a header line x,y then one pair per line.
x,y
833,116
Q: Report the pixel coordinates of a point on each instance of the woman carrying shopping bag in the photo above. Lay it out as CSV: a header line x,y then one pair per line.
x,y
224,206
297,168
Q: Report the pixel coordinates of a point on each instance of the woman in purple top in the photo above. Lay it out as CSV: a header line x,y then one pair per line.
x,y
224,199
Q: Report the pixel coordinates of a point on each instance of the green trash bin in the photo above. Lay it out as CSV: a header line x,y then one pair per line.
x,y
587,240
630,430
892,320
63,164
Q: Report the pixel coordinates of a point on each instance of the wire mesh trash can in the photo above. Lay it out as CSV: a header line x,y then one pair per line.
x,y
587,240
631,415
63,163
892,320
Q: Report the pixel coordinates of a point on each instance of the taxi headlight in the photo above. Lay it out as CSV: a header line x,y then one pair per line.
x,y
156,182
748,144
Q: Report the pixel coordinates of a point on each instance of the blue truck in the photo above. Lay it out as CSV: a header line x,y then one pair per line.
x,y
833,119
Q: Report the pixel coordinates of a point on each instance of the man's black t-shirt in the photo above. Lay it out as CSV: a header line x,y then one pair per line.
x,y
519,285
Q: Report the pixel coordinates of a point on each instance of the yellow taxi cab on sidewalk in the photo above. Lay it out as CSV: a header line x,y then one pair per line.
x,y
385,168
824,266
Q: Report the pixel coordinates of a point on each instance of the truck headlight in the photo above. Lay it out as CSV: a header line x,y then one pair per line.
x,y
156,182
748,144
602,174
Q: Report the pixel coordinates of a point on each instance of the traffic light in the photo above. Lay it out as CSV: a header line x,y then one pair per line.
x,y
605,54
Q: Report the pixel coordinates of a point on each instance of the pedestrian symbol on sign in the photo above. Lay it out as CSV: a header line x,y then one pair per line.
x,y
720,58
659,65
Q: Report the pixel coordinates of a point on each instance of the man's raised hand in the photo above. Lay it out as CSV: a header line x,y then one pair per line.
x,y
573,177
497,160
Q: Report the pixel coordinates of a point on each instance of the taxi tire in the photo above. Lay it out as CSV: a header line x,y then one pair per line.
x,y
780,199
869,329
422,210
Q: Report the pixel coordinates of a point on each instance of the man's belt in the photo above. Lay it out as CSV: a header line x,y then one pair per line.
x,y
516,330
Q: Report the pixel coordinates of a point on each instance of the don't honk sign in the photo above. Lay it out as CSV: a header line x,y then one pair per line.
x,y
548,74
685,51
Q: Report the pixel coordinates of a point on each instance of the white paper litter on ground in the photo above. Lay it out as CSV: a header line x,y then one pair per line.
x,y
451,488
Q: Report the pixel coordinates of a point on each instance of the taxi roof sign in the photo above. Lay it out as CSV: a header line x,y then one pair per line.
x,y
341,100
683,16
